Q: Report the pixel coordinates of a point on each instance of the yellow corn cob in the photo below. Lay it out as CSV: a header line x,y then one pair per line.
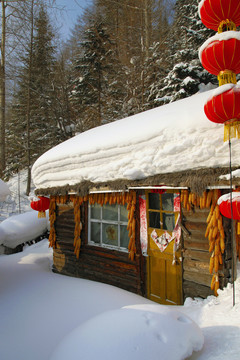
x,y
216,263
215,231
222,244
190,198
207,231
209,198
185,199
216,286
211,246
211,264
213,282
210,237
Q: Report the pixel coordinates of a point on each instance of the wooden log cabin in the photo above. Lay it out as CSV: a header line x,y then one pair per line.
x,y
147,225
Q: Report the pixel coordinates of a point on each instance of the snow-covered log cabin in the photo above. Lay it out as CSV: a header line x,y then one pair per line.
x,y
134,203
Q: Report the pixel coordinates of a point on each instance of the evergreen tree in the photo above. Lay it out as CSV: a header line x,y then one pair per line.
x,y
94,96
33,128
186,76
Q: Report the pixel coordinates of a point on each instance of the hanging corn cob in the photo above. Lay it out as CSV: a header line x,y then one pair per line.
x,y
131,201
52,218
214,231
78,227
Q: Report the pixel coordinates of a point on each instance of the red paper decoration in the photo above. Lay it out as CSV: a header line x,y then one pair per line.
x,y
215,13
41,206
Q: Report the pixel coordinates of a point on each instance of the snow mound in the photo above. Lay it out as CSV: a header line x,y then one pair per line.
x,y
21,228
133,332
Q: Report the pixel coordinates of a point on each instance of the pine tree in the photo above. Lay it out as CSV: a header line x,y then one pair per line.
x,y
94,96
186,76
32,129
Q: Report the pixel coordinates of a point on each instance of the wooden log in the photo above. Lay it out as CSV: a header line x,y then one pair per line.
x,y
194,290
203,256
198,278
196,266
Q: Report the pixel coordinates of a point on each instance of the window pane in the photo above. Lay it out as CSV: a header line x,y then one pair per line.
x,y
110,234
124,239
167,202
95,211
95,232
168,221
110,212
154,201
123,213
154,220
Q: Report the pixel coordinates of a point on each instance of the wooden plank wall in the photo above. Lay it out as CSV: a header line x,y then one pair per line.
x,y
94,263
196,276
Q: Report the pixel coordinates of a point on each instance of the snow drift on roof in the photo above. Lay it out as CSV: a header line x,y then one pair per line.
x,y
173,137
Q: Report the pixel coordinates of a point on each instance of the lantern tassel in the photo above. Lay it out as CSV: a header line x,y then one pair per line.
x,y
41,214
226,77
231,130
226,25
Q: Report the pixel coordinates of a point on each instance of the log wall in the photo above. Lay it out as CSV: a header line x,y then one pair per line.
x,y
95,263
196,257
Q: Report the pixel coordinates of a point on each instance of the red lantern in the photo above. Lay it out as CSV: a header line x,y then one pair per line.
x,y
220,13
219,55
41,206
224,108
224,203
224,105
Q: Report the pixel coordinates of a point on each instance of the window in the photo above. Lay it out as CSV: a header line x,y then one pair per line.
x,y
161,211
108,226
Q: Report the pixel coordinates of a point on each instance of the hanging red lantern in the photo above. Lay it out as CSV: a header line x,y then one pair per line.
x,y
224,203
41,206
224,108
220,15
219,55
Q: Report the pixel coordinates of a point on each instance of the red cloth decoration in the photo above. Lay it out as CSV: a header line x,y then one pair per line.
x,y
213,12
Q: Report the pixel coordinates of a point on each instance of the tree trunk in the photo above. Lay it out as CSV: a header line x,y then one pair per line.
x,y
28,107
2,91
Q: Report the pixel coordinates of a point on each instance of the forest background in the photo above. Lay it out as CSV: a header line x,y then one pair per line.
x,y
122,57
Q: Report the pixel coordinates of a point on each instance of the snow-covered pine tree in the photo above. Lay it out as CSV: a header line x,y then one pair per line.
x,y
186,76
33,128
94,94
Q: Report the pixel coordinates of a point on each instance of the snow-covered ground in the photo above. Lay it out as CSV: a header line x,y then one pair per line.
x,y
46,316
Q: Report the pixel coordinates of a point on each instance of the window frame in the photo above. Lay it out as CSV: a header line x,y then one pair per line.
x,y
102,221
160,211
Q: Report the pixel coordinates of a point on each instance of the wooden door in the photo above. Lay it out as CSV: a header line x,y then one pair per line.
x,y
164,262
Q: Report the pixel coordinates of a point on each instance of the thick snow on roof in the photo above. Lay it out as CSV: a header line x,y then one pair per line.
x,y
170,138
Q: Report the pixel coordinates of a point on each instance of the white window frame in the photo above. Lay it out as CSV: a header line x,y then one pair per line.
x,y
118,222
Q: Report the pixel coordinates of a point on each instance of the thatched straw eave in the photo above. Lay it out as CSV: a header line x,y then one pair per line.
x,y
197,180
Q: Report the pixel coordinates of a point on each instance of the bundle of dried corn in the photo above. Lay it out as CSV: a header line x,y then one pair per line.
x,y
190,199
77,202
52,218
215,234
131,201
